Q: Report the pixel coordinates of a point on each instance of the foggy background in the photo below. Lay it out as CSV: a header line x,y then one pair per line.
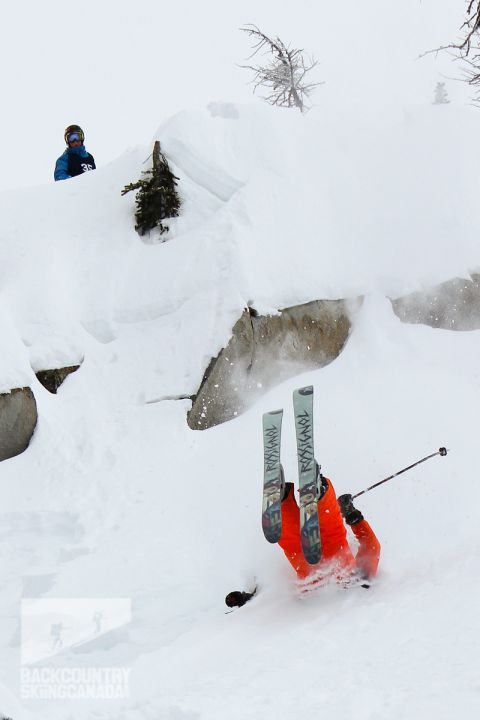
x,y
120,68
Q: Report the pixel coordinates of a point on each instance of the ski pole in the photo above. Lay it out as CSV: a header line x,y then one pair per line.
x,y
441,451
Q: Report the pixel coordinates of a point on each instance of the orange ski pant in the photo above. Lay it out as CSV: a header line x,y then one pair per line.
x,y
337,557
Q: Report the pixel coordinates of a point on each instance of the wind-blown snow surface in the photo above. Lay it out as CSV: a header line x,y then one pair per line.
x,y
117,498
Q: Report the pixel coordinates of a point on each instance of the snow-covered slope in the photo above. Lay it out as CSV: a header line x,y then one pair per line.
x,y
117,498
279,209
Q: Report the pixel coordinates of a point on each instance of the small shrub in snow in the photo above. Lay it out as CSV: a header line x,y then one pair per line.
x,y
157,197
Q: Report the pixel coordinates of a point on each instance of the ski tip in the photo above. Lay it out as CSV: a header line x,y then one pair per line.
x,y
313,557
273,412
272,536
307,390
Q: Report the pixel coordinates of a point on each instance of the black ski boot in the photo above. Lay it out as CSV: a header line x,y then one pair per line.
x,y
238,598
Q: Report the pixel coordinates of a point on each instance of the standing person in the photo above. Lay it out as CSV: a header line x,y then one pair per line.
x,y
75,160
338,564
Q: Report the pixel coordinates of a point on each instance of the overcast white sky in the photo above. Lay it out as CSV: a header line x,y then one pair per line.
x,y
119,68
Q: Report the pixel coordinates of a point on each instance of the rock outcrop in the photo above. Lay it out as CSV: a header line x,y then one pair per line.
x,y
18,418
452,305
52,379
265,350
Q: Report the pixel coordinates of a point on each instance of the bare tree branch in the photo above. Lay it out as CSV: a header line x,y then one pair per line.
x,y
467,49
282,75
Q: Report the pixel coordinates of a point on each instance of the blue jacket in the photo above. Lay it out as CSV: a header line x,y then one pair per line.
x,y
67,161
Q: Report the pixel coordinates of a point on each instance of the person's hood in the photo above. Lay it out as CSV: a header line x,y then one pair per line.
x,y
80,150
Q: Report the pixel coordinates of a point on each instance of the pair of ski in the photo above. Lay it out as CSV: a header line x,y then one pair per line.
x,y
273,480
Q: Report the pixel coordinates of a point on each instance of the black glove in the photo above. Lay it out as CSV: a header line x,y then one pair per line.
x,y
350,514
238,598
287,489
322,482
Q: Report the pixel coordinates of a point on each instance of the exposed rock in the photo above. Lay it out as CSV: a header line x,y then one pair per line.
x,y
453,305
265,350
225,385
18,418
52,379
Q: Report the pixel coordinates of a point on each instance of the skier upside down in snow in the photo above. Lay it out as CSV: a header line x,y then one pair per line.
x,y
313,536
338,562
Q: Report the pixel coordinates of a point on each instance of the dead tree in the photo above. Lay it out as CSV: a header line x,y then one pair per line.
x,y
467,49
283,74
471,27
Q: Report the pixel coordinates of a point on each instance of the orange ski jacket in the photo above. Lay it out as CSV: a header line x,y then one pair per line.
x,y
338,561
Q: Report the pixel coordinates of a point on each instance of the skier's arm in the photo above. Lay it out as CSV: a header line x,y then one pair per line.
x,y
368,554
61,168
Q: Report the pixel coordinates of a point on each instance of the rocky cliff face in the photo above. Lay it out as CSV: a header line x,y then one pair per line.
x,y
18,418
18,412
265,350
262,352
452,305
52,379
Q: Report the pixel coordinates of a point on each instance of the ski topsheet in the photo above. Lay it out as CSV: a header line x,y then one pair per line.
x,y
272,476
309,527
